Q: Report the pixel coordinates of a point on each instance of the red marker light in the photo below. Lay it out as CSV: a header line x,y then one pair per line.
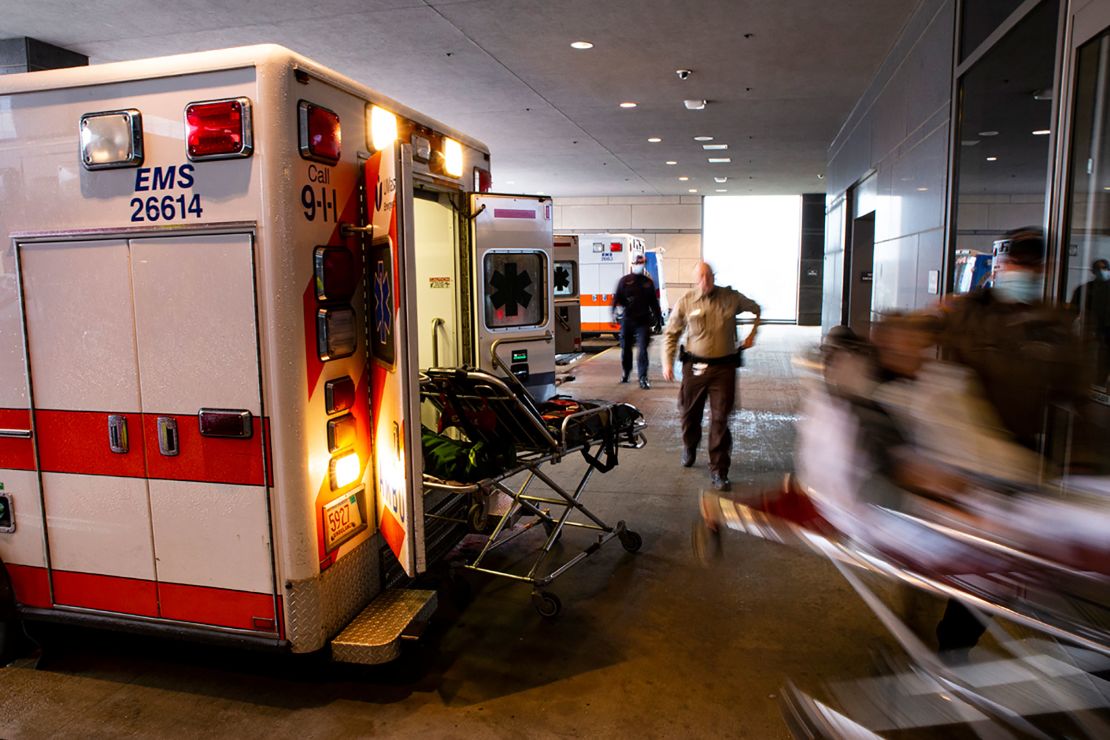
x,y
320,136
218,129
483,180
339,394
616,247
335,272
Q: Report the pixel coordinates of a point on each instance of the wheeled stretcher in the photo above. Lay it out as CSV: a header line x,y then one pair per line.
x,y
528,437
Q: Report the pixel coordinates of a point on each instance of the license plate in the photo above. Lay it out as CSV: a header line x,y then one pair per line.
x,y
342,519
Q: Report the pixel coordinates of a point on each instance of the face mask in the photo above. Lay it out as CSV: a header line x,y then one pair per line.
x,y
1018,286
637,269
1104,275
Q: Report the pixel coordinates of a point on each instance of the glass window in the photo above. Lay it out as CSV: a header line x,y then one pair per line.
x,y
1086,272
979,18
1005,126
515,289
565,282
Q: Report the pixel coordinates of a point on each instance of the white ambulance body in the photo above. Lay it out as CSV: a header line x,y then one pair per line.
x,y
568,308
602,260
220,273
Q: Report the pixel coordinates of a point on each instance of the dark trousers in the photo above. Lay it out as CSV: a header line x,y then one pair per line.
x,y
633,333
718,383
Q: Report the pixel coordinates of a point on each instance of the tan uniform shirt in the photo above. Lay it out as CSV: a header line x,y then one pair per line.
x,y
709,322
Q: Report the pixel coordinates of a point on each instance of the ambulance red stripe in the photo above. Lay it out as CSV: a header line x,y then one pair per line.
x,y
77,442
16,454
513,213
180,602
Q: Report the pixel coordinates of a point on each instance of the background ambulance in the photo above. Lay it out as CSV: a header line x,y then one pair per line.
x,y
220,275
602,260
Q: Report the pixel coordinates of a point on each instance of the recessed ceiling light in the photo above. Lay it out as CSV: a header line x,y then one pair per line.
x,y
703,138
582,45
988,133
720,160
720,179
722,190
714,146
922,190
992,159
1042,132
671,161
684,178
693,190
654,140
628,105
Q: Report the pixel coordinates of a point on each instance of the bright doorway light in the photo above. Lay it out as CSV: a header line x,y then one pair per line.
x,y
754,244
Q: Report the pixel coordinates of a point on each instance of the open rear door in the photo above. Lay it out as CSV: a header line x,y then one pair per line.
x,y
394,385
513,263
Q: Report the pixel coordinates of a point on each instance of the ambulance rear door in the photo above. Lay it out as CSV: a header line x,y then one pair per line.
x,y
394,382
513,262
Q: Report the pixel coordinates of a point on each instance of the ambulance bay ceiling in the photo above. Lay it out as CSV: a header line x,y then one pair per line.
x,y
780,75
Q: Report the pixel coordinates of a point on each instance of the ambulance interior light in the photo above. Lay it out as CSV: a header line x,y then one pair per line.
x,y
320,135
453,157
218,129
383,128
343,469
112,139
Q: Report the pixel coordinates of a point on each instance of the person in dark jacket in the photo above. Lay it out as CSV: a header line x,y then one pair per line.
x,y
636,296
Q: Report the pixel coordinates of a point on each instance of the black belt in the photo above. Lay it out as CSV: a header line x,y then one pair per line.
x,y
736,359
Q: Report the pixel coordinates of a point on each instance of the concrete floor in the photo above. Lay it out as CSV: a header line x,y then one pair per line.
x,y
648,645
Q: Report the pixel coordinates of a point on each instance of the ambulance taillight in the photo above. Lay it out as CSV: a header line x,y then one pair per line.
x,y
335,273
320,135
383,128
483,180
343,470
218,129
339,394
112,139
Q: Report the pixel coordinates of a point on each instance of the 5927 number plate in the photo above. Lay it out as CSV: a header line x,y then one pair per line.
x,y
343,519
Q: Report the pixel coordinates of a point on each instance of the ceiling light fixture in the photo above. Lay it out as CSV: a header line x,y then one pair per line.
x,y
654,140
628,105
671,162
922,190
722,190
988,133
1042,132
695,104
720,179
714,146
684,178
992,159
720,160
969,142
582,45
693,190
703,138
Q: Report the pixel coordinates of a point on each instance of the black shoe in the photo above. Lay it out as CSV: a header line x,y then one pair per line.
x,y
688,458
720,482
624,378
645,384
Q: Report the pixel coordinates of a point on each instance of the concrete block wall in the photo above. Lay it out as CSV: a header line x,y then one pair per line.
x,y
669,223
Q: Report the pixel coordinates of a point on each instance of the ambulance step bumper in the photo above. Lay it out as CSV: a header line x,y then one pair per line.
x,y
375,635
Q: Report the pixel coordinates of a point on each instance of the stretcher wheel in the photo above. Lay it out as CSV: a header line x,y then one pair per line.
x,y
477,518
631,541
547,604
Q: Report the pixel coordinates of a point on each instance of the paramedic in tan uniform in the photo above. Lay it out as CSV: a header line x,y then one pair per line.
x,y
707,315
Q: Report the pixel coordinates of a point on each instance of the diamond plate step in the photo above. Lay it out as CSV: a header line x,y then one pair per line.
x,y
374,636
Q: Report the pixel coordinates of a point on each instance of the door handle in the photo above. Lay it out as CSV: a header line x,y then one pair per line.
x,y
117,434
168,441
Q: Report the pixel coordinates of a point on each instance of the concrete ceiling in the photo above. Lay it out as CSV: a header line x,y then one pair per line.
x,y
780,76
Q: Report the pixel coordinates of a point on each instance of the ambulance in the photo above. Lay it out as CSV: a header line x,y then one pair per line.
x,y
220,276
568,310
602,260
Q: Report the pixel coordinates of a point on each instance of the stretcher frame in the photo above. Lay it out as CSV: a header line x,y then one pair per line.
x,y
458,394
806,715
